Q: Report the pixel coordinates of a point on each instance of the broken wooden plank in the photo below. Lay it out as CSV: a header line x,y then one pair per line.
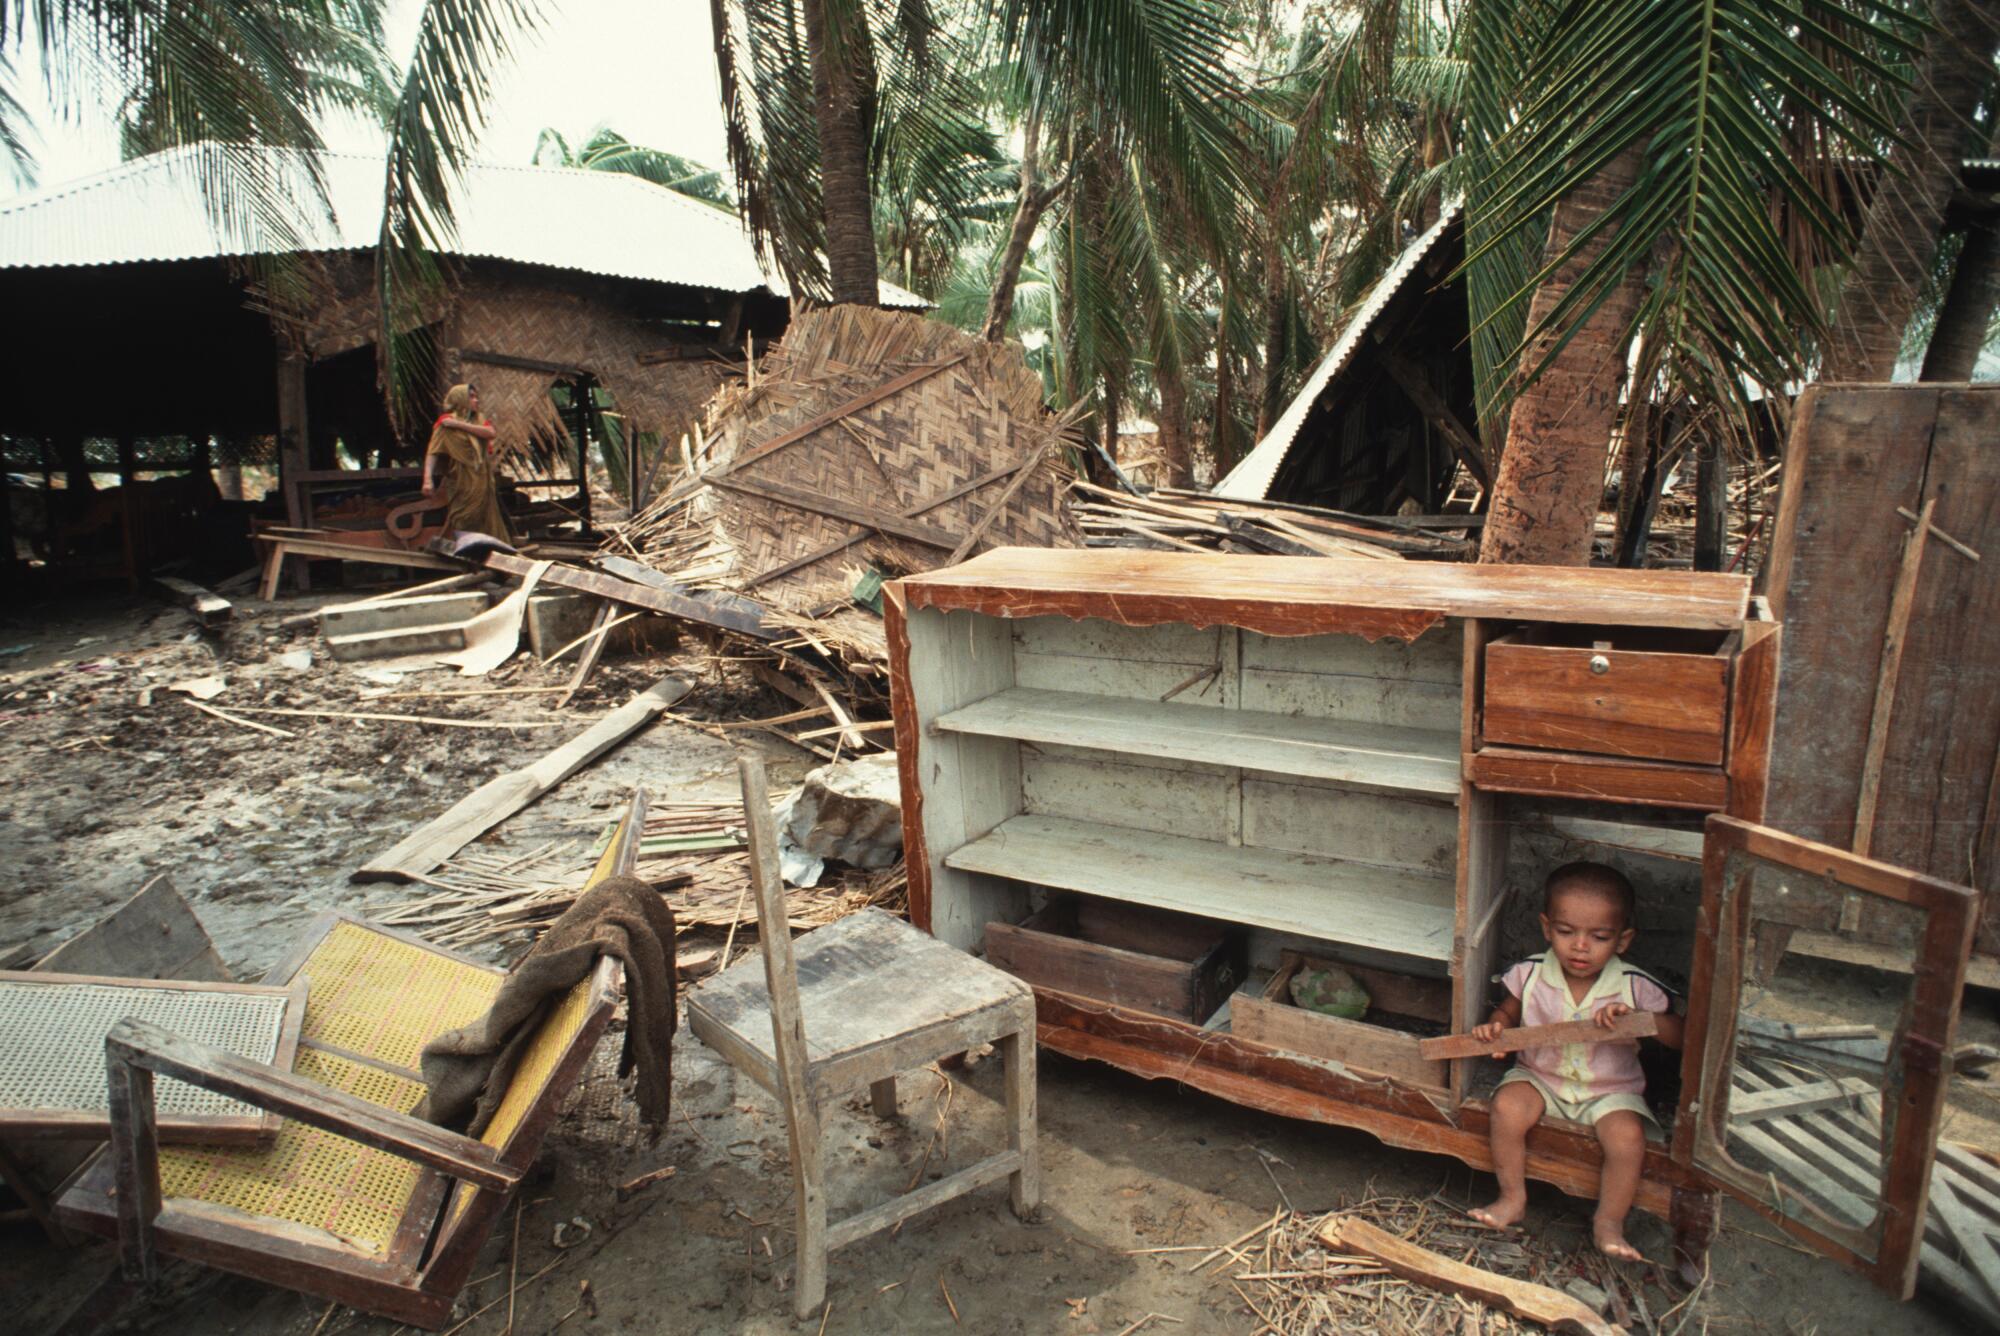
x,y
209,609
1751,1106
1637,1025
1901,601
1537,1303
1022,472
686,607
497,799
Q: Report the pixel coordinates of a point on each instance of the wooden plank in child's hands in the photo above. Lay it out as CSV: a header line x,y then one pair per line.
x,y
1631,1026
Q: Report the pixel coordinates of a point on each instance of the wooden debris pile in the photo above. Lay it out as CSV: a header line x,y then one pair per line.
x,y
1172,520
865,443
692,851
1296,1283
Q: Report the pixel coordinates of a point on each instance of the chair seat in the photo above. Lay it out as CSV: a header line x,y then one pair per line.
x,y
377,996
872,991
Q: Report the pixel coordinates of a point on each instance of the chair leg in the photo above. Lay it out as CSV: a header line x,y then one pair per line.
x,y
1025,1184
809,1269
882,1095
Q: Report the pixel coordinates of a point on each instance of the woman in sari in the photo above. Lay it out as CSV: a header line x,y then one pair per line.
x,y
464,440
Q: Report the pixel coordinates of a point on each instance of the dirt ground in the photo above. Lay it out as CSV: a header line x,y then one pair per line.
x,y
98,791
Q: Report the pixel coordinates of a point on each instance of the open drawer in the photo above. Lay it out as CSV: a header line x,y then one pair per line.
x,y
1651,693
1420,1007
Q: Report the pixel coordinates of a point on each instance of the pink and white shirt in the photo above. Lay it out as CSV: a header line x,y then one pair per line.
x,y
1580,1072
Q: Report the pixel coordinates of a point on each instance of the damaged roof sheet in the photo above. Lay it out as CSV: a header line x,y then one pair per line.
x,y
152,209
1251,479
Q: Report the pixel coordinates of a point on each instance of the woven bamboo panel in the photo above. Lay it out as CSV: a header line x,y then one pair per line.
x,y
566,320
900,455
566,323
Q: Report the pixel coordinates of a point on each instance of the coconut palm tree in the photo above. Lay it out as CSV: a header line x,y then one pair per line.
x,y
608,151
1666,155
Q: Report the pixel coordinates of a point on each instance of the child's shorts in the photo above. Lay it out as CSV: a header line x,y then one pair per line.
x,y
1585,1111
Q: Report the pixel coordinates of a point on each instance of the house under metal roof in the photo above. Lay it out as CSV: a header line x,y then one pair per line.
x,y
606,223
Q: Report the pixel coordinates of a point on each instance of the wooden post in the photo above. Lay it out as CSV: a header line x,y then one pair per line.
x,y
788,1036
292,435
135,1148
1711,505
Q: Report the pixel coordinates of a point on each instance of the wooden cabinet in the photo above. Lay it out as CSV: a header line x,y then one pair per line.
x,y
1364,764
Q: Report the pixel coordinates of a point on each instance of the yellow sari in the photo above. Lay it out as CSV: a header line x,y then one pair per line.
x,y
471,493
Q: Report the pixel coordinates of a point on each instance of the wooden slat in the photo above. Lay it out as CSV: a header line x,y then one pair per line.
x,y
1538,1303
497,799
1399,910
1409,759
1558,774
1752,1106
882,520
898,1209
1626,1029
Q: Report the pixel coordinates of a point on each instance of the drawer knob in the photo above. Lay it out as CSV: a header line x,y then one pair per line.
x,y
1599,664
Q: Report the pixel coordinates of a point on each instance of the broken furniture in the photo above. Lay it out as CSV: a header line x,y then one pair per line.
x,y
1297,751
154,935
50,1019
857,1002
1887,733
356,1201
282,543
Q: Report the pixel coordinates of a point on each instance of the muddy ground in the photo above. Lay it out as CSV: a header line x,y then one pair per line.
x,y
99,790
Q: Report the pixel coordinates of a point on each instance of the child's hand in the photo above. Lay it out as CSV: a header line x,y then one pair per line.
x,y
1489,1032
1608,1014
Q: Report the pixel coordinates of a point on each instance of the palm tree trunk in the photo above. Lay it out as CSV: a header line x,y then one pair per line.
x,y
1906,216
1175,448
1551,476
1960,335
1223,434
843,100
1275,291
1033,202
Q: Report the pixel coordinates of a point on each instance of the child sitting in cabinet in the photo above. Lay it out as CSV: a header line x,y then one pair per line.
x,y
1587,922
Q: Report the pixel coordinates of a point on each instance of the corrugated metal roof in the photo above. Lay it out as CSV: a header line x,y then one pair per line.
x,y
151,209
1251,479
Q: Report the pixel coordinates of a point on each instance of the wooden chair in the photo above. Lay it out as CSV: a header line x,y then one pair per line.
x,y
356,1200
859,1001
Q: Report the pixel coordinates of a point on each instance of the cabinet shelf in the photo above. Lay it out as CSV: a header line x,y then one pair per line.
x,y
1402,910
1412,760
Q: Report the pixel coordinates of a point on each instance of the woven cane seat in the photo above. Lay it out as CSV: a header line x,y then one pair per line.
x,y
383,998
308,1176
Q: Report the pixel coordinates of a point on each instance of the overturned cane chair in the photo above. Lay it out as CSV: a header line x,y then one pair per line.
x,y
356,1200
858,1001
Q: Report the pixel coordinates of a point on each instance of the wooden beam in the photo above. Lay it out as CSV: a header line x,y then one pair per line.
x,y
880,520
1754,1106
686,607
1427,401
497,799
833,415
1022,472
842,544
1637,1025
1897,634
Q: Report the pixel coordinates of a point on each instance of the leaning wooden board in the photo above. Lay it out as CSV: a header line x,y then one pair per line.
x,y
52,1076
1855,455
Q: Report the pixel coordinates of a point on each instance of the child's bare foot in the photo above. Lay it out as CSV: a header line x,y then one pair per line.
x,y
1610,1238
1503,1213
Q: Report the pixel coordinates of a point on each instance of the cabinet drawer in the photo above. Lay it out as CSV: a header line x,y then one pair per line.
x,y
1662,695
1127,955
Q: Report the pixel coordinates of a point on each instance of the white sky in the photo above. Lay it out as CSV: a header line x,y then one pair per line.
x,y
645,67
